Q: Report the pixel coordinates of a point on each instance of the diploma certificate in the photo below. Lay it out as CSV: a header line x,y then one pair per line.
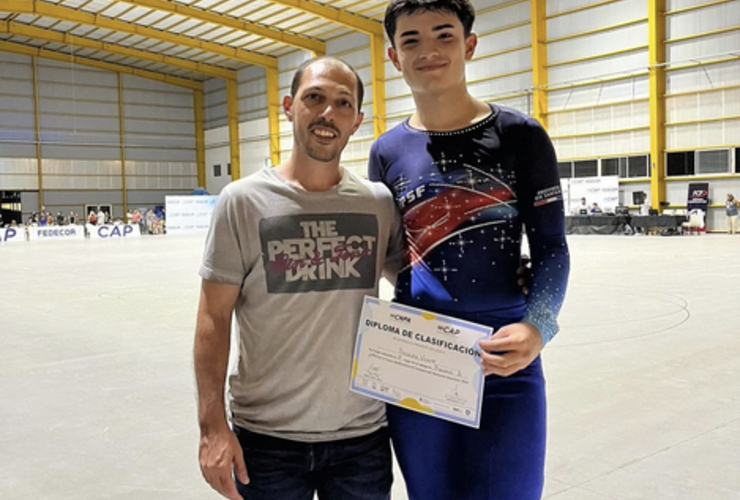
x,y
420,360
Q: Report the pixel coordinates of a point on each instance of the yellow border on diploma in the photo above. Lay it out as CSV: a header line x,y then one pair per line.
x,y
354,369
428,316
413,404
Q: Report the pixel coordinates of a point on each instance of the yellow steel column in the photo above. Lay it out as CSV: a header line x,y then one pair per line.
x,y
656,54
273,114
232,107
200,140
122,145
377,62
37,126
538,10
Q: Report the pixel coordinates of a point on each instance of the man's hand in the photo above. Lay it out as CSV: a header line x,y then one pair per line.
x,y
220,453
515,347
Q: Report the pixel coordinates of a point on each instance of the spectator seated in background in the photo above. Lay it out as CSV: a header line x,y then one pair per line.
x,y
581,209
595,209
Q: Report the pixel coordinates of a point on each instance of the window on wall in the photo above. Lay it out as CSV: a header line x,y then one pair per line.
x,y
638,166
217,170
737,160
713,162
585,168
610,166
626,166
565,169
228,169
680,163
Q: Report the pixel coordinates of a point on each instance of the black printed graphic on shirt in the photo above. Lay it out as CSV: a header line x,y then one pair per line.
x,y
319,252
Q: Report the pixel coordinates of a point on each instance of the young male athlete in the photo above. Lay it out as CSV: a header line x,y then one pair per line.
x,y
468,176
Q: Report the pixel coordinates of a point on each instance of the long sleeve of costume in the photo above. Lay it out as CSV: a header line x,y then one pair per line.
x,y
542,210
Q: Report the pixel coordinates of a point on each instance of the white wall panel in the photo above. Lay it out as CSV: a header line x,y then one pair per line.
x,y
18,173
13,151
252,92
710,47
599,68
595,18
59,73
598,43
16,120
709,18
214,103
703,106
600,119
13,86
347,42
501,86
509,39
700,78
616,144
160,154
133,109
16,103
150,198
703,135
18,165
79,152
617,91
501,64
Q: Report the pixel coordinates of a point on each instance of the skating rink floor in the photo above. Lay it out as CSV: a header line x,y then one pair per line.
x,y
97,393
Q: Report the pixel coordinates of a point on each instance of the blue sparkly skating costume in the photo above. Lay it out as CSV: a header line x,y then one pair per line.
x,y
465,197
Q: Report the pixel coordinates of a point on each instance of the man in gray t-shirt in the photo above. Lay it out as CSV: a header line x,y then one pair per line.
x,y
291,252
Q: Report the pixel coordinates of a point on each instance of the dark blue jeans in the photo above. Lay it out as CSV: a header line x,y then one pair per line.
x,y
349,469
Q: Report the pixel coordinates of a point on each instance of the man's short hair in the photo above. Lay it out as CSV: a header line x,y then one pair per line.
x,y
298,77
463,9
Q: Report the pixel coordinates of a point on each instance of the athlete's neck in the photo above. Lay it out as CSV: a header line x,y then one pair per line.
x,y
310,174
446,111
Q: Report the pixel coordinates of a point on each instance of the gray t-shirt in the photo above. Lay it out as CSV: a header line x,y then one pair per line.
x,y
304,262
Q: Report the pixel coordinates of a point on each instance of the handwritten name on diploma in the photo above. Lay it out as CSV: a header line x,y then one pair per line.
x,y
419,360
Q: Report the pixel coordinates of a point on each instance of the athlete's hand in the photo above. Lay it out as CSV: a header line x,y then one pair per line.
x,y
220,456
510,349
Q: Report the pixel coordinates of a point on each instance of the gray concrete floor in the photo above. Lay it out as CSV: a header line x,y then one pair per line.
x,y
96,384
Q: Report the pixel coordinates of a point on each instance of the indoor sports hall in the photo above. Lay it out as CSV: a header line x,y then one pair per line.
x,y
121,121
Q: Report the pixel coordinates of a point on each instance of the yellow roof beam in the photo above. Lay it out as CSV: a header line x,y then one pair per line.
x,y
360,23
216,18
15,28
41,8
94,63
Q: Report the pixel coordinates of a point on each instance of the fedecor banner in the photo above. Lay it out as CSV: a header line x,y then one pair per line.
x,y
56,233
12,235
189,214
113,231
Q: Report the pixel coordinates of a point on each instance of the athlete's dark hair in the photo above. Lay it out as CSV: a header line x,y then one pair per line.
x,y
463,9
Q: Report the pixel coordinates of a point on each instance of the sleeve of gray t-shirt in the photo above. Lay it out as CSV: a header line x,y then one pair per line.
x,y
223,257
396,243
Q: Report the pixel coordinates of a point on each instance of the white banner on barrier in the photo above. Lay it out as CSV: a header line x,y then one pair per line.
x,y
189,214
113,231
56,233
12,234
